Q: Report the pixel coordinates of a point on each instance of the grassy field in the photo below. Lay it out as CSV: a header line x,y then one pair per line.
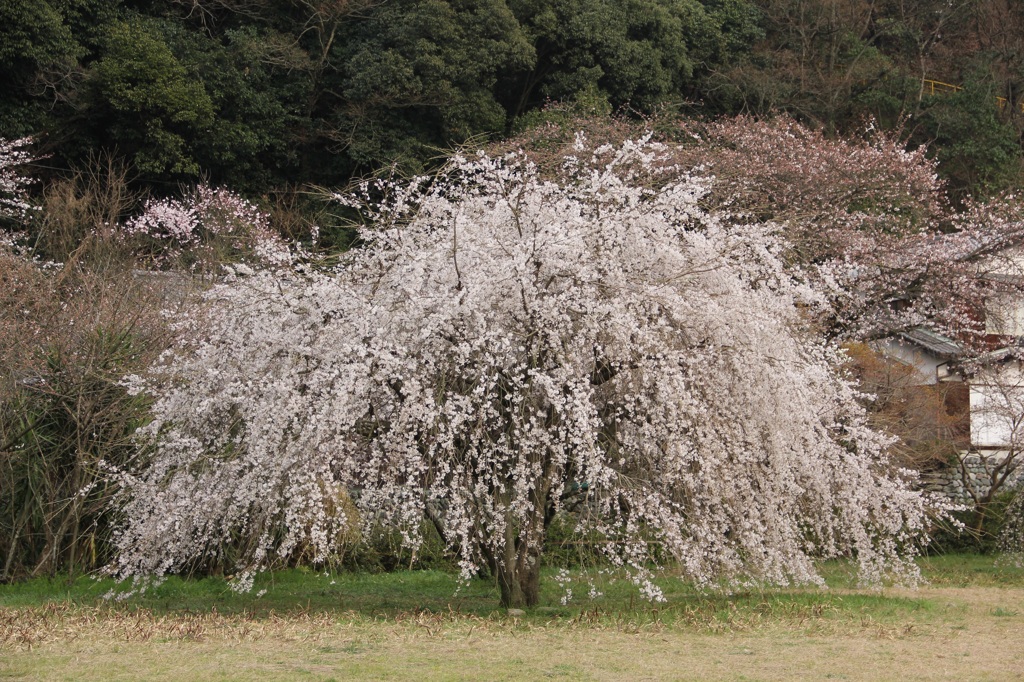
x,y
966,624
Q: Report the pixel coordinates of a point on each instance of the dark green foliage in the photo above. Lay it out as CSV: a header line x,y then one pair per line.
x,y
261,95
248,143
258,96
820,62
34,35
563,548
145,102
58,428
741,25
420,75
980,533
34,42
977,147
640,53
382,551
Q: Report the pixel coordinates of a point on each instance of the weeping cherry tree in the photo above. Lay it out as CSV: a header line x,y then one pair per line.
x,y
502,347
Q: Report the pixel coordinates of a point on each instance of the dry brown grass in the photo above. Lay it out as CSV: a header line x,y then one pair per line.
x,y
970,633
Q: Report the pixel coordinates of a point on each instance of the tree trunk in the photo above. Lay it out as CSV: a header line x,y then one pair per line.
x,y
519,579
517,566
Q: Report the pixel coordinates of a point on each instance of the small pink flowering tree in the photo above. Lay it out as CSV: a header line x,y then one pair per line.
x,y
503,346
869,220
206,228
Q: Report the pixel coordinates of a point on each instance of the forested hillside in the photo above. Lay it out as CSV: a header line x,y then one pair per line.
x,y
261,95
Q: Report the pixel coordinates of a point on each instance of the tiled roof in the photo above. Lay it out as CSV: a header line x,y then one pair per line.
x,y
933,341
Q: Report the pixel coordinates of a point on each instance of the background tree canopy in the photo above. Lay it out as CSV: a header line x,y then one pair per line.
x,y
263,95
257,94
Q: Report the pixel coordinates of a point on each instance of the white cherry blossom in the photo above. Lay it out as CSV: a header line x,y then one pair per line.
x,y
503,348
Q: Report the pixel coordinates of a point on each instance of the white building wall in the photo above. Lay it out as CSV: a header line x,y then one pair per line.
x,y
1004,316
997,407
929,366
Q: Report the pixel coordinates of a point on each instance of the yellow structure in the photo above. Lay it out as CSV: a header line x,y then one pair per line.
x,y
938,87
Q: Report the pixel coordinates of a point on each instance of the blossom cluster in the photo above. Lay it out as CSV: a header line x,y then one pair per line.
x,y
504,346
204,223
864,219
14,155
869,222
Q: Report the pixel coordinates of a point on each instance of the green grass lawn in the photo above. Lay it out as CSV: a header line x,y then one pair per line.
x,y
425,625
374,595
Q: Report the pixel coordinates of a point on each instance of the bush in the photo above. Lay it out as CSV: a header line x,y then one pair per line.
x,y
993,534
68,334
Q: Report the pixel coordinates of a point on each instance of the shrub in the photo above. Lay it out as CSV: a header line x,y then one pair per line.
x,y
67,336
